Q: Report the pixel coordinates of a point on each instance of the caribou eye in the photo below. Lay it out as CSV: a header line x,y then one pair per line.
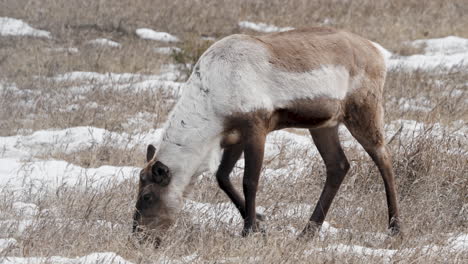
x,y
146,197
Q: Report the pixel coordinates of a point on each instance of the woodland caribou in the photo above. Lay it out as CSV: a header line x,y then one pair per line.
x,y
244,87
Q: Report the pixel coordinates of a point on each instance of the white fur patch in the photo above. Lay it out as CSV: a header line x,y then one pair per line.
x,y
240,78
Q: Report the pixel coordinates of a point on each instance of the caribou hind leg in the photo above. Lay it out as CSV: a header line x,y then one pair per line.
x,y
367,128
328,145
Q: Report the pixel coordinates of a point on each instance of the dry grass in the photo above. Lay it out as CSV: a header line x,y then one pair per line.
x,y
75,221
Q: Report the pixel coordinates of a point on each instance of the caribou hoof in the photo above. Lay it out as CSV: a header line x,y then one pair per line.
x,y
394,227
246,231
394,230
309,231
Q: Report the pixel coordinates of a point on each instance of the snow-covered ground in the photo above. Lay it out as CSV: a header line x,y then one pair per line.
x,y
441,53
94,258
166,81
105,42
147,33
16,27
21,168
167,50
262,27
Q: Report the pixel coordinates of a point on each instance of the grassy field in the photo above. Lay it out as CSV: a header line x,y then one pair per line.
x,y
426,113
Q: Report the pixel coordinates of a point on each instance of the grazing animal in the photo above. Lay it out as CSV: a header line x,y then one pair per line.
x,y
244,87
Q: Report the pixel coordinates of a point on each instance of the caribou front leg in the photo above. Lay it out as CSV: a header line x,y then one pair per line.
x,y
230,156
254,148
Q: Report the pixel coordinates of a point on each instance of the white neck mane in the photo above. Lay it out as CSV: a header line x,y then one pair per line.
x,y
191,138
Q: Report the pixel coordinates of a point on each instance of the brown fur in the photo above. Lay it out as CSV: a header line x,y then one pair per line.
x,y
306,49
145,223
301,113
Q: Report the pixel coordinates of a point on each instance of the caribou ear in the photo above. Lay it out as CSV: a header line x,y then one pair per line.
x,y
150,152
161,174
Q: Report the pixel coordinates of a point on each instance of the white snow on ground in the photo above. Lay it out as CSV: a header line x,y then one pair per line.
x,y
146,33
6,243
94,258
125,81
16,27
25,210
459,242
355,250
262,27
69,140
20,227
105,42
429,62
441,53
112,77
211,214
68,50
448,45
16,227
412,129
167,50
455,245
17,175
422,104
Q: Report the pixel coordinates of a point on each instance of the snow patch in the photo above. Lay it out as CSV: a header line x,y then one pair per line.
x,y
165,81
421,104
211,214
362,251
104,42
262,27
98,77
459,242
141,121
442,53
70,140
25,210
7,243
429,62
448,45
413,129
68,50
167,50
101,258
146,33
33,176
16,27
16,227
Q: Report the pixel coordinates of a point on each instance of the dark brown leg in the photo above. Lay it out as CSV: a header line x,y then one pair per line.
x,y
253,151
373,142
229,159
328,145
383,160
